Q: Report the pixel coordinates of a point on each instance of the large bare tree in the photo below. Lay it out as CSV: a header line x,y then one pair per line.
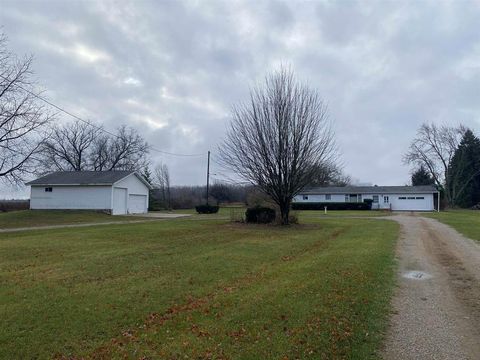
x,y
433,148
162,180
279,139
81,145
22,116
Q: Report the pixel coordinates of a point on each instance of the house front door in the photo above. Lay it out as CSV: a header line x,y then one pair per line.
x,y
386,202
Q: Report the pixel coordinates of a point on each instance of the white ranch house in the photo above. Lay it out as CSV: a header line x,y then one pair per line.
x,y
116,192
397,198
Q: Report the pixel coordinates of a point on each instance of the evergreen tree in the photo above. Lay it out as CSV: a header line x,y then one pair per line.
x,y
422,177
464,171
147,175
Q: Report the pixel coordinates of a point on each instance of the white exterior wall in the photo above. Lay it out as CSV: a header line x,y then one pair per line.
x,y
134,187
71,197
319,198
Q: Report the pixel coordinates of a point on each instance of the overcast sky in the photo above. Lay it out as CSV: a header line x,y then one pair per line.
x,y
173,69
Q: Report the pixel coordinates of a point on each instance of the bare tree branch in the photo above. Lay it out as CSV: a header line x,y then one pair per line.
x,y
162,179
81,146
434,148
22,118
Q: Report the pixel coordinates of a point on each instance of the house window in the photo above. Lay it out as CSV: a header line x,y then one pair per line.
x,y
347,198
48,189
375,199
386,200
328,197
411,198
305,197
359,197
402,198
420,198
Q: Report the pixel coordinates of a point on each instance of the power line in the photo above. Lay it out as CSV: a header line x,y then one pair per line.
x,y
89,123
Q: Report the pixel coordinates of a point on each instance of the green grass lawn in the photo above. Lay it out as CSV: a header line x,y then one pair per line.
x,y
466,222
197,289
28,218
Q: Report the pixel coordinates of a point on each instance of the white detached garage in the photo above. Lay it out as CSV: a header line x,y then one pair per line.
x,y
116,192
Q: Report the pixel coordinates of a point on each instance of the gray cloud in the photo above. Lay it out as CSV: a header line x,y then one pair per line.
x,y
173,69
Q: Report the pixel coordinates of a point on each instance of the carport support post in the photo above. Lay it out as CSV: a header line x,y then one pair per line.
x,y
438,204
208,172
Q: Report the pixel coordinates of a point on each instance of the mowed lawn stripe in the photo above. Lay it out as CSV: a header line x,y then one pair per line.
x,y
70,292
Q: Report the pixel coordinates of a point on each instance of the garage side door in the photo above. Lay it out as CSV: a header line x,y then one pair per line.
x,y
119,201
137,204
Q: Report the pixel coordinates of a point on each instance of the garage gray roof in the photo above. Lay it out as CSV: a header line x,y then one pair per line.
x,y
424,189
82,178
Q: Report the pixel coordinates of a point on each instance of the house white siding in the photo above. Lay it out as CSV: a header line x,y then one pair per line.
x,y
396,201
136,193
319,198
71,197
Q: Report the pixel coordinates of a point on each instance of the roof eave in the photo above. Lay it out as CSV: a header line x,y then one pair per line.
x,y
139,177
69,184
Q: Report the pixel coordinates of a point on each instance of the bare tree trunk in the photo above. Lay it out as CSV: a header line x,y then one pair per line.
x,y
285,212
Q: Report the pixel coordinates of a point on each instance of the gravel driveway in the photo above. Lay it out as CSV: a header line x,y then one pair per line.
x,y
437,303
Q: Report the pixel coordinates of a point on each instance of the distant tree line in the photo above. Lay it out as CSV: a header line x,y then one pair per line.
x,y
448,157
164,197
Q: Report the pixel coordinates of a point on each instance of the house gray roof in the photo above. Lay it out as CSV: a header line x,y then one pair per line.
x,y
84,178
372,190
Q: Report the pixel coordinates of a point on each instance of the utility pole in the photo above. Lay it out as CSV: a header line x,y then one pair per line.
x,y
208,173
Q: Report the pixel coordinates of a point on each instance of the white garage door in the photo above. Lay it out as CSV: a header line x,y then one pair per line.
x,y
137,204
119,201
412,203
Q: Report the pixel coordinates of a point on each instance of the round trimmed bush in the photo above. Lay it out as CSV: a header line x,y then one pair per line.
x,y
260,215
206,209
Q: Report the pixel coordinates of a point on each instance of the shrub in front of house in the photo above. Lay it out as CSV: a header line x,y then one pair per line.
x,y
332,206
206,209
259,215
369,202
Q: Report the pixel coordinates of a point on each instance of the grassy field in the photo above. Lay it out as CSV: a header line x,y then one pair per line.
x,y
28,218
466,222
197,289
